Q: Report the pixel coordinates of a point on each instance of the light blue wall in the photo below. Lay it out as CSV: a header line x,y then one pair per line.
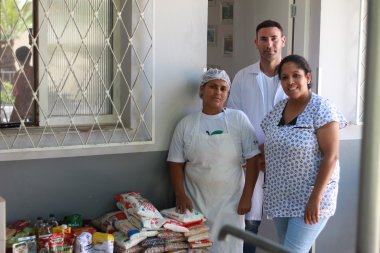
x,y
85,185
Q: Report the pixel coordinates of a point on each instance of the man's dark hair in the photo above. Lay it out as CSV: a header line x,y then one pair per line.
x,y
269,23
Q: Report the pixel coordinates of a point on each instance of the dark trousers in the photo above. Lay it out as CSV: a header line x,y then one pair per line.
x,y
251,226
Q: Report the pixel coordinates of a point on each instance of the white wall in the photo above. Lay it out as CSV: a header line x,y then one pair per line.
x,y
180,57
314,12
338,54
215,52
247,15
333,43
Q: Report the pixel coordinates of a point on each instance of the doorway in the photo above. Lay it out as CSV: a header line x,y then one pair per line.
x,y
232,30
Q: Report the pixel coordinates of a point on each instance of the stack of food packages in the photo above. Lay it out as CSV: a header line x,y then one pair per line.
x,y
136,227
19,237
140,227
22,238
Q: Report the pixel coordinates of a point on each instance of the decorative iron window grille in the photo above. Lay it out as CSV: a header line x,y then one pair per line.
x,y
91,77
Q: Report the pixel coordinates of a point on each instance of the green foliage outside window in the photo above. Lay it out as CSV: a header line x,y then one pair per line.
x,y
11,26
6,94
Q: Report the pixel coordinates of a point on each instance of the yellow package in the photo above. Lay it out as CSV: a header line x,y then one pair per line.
x,y
103,242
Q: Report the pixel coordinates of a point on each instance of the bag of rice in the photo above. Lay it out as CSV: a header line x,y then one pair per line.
x,y
123,242
196,229
200,244
188,218
198,237
170,246
140,205
175,226
106,223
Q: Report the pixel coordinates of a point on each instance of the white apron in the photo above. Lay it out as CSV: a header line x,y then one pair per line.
x,y
214,180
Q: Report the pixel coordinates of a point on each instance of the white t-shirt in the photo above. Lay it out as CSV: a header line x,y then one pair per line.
x,y
270,84
255,94
239,126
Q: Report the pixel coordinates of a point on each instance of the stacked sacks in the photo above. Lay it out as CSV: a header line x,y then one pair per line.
x,y
140,228
134,205
106,223
197,234
142,222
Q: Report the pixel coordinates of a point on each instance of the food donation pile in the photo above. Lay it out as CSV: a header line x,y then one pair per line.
x,y
137,226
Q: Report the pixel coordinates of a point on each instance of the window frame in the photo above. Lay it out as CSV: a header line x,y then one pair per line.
x,y
84,149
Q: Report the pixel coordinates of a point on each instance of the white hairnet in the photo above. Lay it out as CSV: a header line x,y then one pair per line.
x,y
214,74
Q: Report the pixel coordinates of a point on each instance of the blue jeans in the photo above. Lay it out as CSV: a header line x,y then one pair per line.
x,y
294,234
251,226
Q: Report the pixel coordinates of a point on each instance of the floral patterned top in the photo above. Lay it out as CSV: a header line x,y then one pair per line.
x,y
293,158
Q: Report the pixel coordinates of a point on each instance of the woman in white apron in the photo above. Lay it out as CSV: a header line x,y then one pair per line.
x,y
205,158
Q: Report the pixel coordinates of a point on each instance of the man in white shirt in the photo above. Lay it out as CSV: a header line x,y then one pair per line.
x,y
255,90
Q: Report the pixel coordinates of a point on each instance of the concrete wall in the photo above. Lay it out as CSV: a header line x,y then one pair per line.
x,y
84,185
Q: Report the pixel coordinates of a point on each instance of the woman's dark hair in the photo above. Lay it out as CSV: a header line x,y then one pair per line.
x,y
300,61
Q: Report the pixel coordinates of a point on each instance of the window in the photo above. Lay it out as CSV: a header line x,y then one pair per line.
x,y
75,73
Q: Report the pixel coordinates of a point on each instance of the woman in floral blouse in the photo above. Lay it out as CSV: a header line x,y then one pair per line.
x,y
301,155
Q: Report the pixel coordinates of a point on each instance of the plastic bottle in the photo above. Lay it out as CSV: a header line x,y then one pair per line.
x,y
66,229
52,221
44,229
37,225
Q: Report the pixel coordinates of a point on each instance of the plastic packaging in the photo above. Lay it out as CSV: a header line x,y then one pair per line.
x,y
155,249
139,204
152,241
56,243
175,226
197,229
30,242
188,218
37,225
52,221
102,242
74,220
83,243
198,237
169,235
62,229
201,244
123,242
170,246
44,229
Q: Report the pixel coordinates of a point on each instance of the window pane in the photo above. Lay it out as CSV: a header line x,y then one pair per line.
x,y
80,63
16,69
